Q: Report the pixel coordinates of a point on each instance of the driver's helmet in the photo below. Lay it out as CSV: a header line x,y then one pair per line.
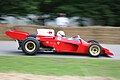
x,y
61,33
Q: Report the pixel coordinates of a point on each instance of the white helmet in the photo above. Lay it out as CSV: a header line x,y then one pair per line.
x,y
61,33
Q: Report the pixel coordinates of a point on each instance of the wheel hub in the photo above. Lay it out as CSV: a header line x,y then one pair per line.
x,y
30,46
95,50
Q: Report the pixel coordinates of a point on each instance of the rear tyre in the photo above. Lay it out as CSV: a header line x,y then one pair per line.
x,y
20,42
94,50
32,35
30,46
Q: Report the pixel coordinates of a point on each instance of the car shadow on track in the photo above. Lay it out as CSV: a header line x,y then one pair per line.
x,y
20,53
69,54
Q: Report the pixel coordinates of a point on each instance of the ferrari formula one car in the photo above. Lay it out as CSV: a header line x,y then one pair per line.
x,y
47,41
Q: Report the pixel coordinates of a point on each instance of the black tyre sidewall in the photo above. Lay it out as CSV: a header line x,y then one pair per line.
x,y
93,41
32,35
33,40
93,45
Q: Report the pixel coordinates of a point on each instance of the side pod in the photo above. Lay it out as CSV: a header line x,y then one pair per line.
x,y
17,35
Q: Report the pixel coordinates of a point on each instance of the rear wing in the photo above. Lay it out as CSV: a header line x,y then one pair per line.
x,y
17,35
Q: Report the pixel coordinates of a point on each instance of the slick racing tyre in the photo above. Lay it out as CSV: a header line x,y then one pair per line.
x,y
32,35
30,46
92,41
94,50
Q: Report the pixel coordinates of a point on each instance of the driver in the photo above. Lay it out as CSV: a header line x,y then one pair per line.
x,y
61,33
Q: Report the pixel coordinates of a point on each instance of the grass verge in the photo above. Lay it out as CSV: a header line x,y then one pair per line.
x,y
60,66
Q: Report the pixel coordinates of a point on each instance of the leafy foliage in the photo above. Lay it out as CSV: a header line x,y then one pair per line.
x,y
104,12
20,7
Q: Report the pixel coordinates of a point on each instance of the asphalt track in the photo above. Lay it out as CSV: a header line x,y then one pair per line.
x,y
9,48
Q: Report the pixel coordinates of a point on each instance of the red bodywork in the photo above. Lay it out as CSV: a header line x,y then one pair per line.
x,y
60,44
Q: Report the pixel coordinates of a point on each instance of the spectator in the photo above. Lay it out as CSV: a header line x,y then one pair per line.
x,y
62,20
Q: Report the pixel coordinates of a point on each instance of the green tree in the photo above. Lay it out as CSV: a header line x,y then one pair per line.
x,y
20,7
103,12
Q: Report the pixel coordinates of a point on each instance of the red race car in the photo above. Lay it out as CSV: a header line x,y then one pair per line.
x,y
47,41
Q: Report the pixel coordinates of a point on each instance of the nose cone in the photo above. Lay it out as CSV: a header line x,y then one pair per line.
x,y
110,54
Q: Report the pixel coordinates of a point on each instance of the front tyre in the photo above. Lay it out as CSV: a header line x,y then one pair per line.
x,y
93,41
94,50
30,46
